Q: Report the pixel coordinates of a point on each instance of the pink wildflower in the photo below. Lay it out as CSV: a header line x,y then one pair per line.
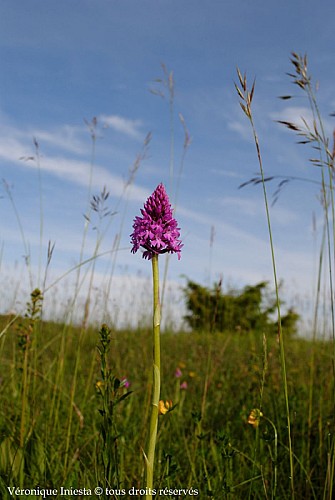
x,y
156,231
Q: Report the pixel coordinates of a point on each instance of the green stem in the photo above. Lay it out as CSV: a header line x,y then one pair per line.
x,y
280,333
24,398
156,378
275,460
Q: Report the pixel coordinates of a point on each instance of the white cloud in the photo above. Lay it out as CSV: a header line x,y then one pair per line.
x,y
16,147
294,114
113,308
297,115
67,137
16,142
131,128
227,173
241,127
255,207
246,206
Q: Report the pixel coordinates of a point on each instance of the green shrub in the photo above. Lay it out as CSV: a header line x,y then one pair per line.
x,y
252,308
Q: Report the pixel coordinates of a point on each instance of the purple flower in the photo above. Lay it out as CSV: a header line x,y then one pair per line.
x,y
156,231
125,382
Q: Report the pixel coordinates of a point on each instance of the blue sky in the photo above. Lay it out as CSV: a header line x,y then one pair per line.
x,y
65,62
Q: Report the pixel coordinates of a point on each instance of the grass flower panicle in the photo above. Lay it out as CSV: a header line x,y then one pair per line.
x,y
157,230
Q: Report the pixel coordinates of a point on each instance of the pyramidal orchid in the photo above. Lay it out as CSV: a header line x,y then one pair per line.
x,y
157,232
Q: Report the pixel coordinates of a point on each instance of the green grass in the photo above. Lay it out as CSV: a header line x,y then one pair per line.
x,y
204,443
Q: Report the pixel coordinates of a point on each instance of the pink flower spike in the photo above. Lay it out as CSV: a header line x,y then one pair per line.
x,y
178,373
184,385
157,230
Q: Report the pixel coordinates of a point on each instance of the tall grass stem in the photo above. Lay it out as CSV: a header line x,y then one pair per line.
x,y
246,100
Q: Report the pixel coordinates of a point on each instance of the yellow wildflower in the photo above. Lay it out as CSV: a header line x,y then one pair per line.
x,y
164,407
255,417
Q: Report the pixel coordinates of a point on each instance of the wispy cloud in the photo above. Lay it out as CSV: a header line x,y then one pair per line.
x,y
294,114
18,143
249,207
16,147
298,115
227,173
67,138
131,128
240,127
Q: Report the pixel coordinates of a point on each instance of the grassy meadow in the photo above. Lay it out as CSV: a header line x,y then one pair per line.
x,y
205,443
243,414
